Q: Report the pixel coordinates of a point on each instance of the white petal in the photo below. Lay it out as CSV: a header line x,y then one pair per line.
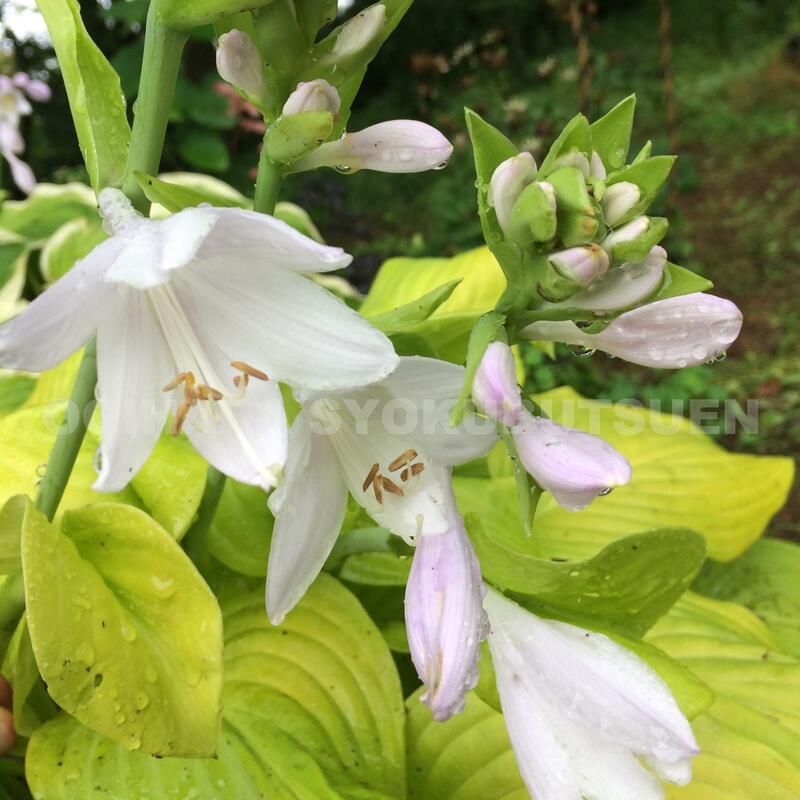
x,y
433,386
309,509
133,364
261,243
508,180
362,440
245,437
63,318
286,325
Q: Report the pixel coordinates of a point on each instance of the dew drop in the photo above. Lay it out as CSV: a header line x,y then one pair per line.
x,y
142,700
607,491
581,351
441,165
344,169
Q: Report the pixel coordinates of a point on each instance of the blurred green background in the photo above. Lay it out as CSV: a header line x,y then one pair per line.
x,y
717,82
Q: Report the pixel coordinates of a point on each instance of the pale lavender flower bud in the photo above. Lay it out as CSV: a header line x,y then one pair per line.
x,y
494,388
508,180
316,95
400,145
445,620
574,466
627,233
239,62
597,167
358,32
619,200
580,264
35,89
574,159
668,334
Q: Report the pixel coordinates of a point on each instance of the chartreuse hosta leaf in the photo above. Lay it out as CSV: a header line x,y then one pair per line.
x,y
127,635
750,735
169,485
625,588
401,281
312,711
71,242
48,208
765,580
681,478
95,95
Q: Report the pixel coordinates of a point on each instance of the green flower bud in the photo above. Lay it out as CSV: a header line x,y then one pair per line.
x,y
634,240
569,185
533,217
575,229
239,63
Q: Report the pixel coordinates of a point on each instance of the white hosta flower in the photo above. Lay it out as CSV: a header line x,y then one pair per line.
x,y
444,612
239,62
586,717
574,466
13,106
619,200
358,33
668,334
621,287
200,307
316,95
400,145
494,388
381,444
508,180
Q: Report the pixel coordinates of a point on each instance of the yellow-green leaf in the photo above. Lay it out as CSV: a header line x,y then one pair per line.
x,y
127,635
404,280
312,711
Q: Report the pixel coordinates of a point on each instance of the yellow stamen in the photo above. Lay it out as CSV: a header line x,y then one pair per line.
x,y
251,371
402,460
370,477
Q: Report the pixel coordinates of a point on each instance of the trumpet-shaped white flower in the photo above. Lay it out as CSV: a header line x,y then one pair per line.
x,y
209,308
677,332
584,714
445,619
381,444
13,106
399,145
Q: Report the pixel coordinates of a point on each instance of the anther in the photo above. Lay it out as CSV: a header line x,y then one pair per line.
x,y
204,392
416,469
402,460
180,378
392,487
370,477
404,475
250,371
377,487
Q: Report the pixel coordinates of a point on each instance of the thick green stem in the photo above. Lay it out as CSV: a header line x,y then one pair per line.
x,y
69,439
268,183
163,48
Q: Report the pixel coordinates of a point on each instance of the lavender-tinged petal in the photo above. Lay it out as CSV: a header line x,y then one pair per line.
x,y
574,466
494,388
508,180
444,614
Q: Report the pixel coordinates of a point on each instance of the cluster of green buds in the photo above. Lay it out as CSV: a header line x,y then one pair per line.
x,y
583,211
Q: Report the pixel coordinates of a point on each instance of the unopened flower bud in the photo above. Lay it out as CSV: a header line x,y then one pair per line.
x,y
597,168
445,620
669,334
574,159
580,264
316,95
575,229
533,218
633,241
570,190
508,180
239,62
574,466
35,89
399,145
358,33
619,200
494,388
